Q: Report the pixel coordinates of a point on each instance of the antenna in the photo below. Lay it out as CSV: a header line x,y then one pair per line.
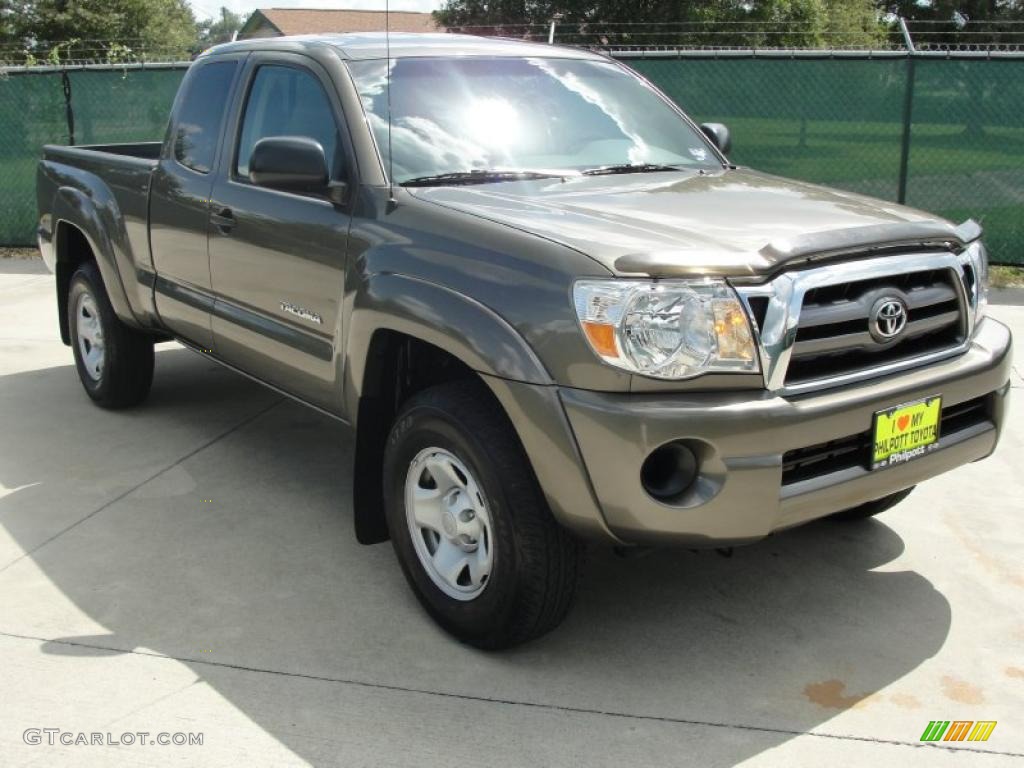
x,y
387,50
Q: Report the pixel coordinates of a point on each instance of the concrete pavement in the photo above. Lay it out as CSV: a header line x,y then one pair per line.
x,y
189,566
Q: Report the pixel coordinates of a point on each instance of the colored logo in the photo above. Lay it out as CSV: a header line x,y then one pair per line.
x,y
958,730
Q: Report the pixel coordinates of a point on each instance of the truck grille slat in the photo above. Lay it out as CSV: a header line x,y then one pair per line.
x,y
845,311
809,369
863,341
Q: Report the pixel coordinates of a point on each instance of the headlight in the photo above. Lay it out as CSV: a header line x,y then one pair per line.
x,y
670,329
977,259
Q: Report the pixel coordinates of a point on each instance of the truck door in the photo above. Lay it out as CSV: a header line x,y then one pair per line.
x,y
277,258
179,199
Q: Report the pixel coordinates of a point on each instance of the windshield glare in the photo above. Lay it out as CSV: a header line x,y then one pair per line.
x,y
459,115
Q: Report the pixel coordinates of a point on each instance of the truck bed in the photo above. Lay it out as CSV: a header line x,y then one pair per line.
x,y
111,182
124,168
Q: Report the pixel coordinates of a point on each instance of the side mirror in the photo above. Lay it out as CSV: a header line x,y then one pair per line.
x,y
719,136
291,163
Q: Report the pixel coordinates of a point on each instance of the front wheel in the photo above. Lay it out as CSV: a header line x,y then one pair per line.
x,y
114,362
469,524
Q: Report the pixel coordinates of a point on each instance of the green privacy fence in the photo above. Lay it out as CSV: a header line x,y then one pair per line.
x,y
108,105
941,133
945,134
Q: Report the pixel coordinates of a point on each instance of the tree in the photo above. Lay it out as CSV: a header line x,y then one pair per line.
x,y
952,23
771,23
221,30
947,10
6,22
101,29
854,23
460,13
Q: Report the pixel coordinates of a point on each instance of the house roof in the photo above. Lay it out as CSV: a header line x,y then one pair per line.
x,y
307,21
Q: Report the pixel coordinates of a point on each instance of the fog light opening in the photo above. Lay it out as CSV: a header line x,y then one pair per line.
x,y
669,471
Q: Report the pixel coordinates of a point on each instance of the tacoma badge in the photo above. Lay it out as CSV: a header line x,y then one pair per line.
x,y
302,312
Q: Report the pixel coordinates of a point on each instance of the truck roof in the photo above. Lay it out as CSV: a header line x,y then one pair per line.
x,y
374,45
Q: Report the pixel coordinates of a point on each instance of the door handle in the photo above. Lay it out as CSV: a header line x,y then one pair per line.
x,y
224,220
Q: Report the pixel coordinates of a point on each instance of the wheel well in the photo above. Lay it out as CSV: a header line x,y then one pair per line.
x,y
397,367
72,250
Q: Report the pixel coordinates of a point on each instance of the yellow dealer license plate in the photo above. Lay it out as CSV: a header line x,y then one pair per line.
x,y
906,432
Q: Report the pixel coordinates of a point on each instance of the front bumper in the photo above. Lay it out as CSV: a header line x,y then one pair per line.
x,y
743,436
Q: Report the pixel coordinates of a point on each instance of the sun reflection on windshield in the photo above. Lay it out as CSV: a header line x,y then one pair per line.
x,y
493,123
454,115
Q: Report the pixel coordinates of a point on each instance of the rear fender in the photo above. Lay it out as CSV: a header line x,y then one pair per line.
x,y
74,208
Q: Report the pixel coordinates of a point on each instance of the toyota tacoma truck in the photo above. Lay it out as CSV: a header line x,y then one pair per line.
x,y
549,306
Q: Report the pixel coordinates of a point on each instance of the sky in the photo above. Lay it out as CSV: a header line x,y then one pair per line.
x,y
205,9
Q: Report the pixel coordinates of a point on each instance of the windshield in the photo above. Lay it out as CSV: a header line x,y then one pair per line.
x,y
453,116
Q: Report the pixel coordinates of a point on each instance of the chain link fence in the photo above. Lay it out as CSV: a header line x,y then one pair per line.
x,y
89,105
942,133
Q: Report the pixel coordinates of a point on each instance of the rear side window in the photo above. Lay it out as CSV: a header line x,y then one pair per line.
x,y
285,101
201,115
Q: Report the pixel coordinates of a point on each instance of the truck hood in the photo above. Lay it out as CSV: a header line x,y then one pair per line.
x,y
733,222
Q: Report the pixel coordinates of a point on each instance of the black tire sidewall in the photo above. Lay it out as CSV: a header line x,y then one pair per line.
x,y
127,352
428,427
85,281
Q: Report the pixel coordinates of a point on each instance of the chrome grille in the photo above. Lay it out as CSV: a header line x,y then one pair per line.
x,y
815,329
833,334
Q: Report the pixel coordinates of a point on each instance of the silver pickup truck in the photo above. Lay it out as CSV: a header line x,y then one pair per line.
x,y
549,306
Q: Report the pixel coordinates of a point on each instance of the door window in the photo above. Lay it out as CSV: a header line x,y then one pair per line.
x,y
285,101
201,115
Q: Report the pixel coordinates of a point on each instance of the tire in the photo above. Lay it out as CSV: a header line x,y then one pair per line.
x,y
117,371
872,508
520,580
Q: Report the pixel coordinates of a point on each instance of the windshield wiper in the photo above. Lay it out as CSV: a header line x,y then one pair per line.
x,y
607,170
478,176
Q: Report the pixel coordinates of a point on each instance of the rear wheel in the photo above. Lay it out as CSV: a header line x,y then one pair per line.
x,y
469,524
114,361
872,508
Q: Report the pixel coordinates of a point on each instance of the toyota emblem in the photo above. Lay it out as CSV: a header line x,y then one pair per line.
x,y
888,319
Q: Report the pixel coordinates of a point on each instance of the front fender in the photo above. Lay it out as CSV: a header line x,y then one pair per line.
x,y
440,316
489,345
